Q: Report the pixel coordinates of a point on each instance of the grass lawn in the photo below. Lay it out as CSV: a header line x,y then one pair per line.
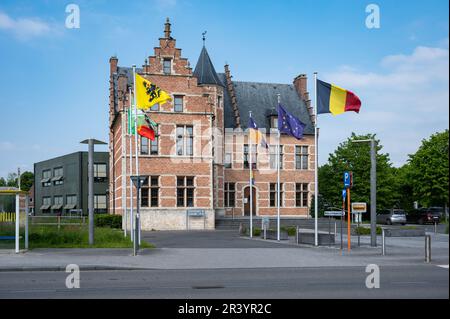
x,y
68,237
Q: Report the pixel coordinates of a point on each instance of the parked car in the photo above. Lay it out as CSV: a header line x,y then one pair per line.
x,y
391,216
424,216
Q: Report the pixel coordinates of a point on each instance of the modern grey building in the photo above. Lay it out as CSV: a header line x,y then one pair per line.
x,y
61,184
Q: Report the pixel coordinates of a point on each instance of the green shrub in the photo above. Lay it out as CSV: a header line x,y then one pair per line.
x,y
289,229
108,220
366,231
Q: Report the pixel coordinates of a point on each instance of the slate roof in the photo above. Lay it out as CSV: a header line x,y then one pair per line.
x,y
261,99
204,70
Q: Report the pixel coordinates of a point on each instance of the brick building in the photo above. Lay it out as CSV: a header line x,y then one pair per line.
x,y
201,157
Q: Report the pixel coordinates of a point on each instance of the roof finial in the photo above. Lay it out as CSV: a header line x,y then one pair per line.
x,y
204,38
167,29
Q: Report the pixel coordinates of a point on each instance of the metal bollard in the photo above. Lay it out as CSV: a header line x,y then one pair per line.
x,y
296,234
427,248
435,227
383,242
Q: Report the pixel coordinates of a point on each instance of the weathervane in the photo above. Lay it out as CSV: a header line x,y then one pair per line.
x,y
204,38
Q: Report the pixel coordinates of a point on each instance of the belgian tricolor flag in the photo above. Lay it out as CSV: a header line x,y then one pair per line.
x,y
335,100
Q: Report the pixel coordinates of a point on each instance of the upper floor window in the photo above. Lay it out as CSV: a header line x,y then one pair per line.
x,y
144,145
100,172
149,146
167,66
154,107
185,140
219,101
301,157
58,176
247,156
178,103
273,157
46,176
227,160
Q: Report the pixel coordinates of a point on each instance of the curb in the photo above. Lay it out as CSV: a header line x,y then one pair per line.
x,y
63,268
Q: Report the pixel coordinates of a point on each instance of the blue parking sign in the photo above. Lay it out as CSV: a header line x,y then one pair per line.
x,y
347,179
344,194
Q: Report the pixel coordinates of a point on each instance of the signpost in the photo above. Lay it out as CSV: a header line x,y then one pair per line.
x,y
137,181
348,183
358,209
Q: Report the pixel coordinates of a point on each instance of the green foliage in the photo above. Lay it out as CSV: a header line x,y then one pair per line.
x,y
108,220
2,182
428,170
26,181
73,237
366,231
289,229
355,157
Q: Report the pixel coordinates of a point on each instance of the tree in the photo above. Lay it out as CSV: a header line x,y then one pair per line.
x,y
429,169
26,180
355,157
2,182
11,180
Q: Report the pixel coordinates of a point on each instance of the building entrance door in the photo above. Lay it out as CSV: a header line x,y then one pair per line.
x,y
247,201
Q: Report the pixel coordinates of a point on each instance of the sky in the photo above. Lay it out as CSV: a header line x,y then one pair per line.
x,y
54,80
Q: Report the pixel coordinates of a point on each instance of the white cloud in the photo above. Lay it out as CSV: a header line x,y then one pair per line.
x,y
24,28
403,103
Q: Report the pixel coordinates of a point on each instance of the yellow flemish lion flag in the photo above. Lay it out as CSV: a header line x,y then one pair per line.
x,y
148,94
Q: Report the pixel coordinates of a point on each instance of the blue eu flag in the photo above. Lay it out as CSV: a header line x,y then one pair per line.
x,y
289,124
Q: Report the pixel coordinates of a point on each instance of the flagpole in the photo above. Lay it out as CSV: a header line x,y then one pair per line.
x,y
251,184
316,159
137,155
278,178
131,167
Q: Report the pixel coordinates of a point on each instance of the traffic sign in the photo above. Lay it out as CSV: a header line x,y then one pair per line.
x,y
333,213
344,194
358,208
348,179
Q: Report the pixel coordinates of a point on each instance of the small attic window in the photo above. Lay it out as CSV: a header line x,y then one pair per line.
x,y
274,121
167,66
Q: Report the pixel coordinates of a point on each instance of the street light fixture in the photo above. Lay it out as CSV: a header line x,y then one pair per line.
x,y
91,143
373,189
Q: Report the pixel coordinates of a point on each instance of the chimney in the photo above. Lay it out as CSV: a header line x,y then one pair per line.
x,y
113,61
300,83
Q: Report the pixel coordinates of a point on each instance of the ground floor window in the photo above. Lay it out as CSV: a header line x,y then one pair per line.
x,y
100,204
301,194
185,191
230,195
273,194
150,192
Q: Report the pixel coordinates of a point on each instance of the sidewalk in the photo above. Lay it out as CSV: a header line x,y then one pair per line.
x,y
400,251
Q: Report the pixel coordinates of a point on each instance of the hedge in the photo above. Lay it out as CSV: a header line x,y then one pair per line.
x,y
107,220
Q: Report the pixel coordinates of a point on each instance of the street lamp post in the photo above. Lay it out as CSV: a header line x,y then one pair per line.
x,y
91,143
373,190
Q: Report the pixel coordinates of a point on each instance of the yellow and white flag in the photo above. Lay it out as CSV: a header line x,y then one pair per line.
x,y
148,94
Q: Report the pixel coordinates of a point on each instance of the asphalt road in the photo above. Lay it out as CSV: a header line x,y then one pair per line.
x,y
422,281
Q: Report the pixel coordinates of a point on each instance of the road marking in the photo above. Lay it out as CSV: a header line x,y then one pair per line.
x,y
443,266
